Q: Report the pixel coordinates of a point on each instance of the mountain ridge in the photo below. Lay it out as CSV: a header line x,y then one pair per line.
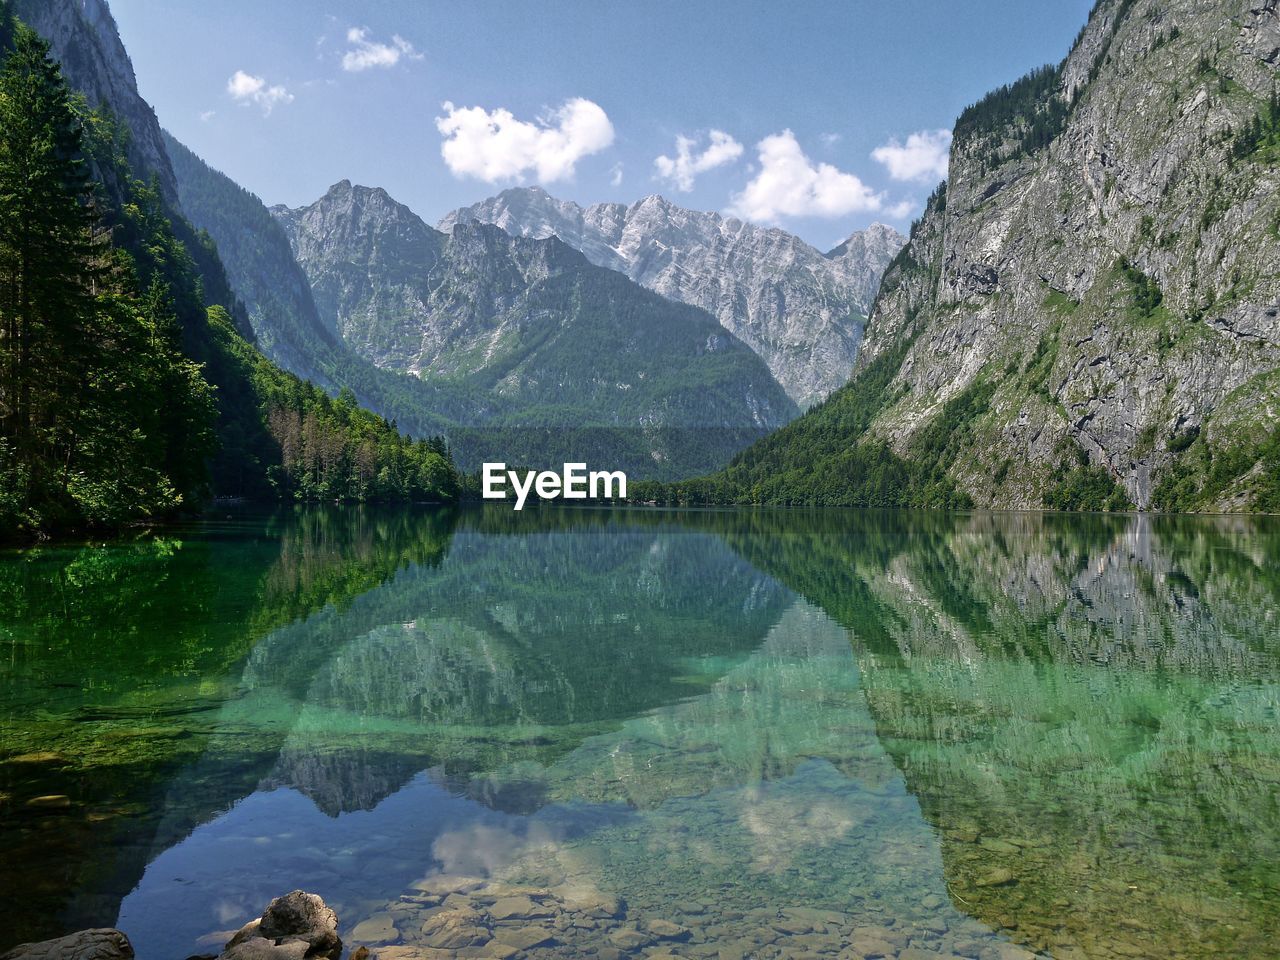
x,y
528,332
801,310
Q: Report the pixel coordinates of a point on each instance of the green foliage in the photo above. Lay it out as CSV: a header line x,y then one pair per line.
x,y
1145,292
1203,473
825,457
319,448
1184,439
1260,139
102,417
1086,488
121,401
1015,119
1040,366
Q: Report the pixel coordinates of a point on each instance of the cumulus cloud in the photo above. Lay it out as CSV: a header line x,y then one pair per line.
x,y
365,54
494,145
923,158
615,175
901,210
245,89
789,184
681,169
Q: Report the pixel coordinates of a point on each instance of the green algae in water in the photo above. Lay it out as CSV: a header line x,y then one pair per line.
x,y
774,730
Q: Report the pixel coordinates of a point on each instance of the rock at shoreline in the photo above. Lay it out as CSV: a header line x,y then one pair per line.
x,y
100,944
293,927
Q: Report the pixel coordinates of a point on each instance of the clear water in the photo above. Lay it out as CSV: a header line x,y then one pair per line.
x,y
703,734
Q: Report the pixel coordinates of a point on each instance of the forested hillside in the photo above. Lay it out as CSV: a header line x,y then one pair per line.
x,y
128,390
281,310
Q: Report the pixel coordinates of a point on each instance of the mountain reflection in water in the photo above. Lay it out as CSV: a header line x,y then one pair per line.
x,y
817,732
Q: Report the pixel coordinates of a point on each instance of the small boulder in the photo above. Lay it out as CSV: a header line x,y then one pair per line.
x,y
999,877
103,943
525,938
455,929
297,925
53,801
666,930
379,928
260,948
518,908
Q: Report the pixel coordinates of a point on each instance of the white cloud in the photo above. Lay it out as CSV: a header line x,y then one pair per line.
x,y
207,115
615,175
831,139
681,169
789,184
494,145
246,89
901,210
922,158
365,54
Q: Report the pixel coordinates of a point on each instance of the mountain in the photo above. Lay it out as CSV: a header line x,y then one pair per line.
x,y
282,312
85,41
801,311
865,255
1086,315
531,337
259,262
132,387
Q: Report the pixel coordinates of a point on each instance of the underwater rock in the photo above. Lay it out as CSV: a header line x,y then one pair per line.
x,y
666,930
525,938
518,908
380,928
54,801
455,929
102,943
297,925
998,877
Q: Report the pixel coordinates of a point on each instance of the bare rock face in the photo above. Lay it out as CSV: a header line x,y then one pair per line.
x,y
800,310
296,926
1102,275
100,944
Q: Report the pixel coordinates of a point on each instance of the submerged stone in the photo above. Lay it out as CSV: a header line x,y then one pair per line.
x,y
380,928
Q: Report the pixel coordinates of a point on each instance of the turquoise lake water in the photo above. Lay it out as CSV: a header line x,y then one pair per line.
x,y
568,733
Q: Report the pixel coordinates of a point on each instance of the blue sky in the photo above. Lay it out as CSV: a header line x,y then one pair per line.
x,y
819,117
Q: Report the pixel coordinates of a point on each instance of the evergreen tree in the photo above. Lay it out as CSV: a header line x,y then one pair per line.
x,y
103,420
48,266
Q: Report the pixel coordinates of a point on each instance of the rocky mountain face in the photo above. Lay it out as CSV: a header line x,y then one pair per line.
x,y
260,264
1091,303
84,39
527,332
865,255
800,310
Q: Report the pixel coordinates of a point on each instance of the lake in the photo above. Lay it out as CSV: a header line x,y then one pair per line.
x,y
619,733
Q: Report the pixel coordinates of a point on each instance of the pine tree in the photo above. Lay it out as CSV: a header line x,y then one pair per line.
x,y
48,266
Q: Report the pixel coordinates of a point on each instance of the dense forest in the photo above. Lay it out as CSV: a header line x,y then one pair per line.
x,y
819,461
129,388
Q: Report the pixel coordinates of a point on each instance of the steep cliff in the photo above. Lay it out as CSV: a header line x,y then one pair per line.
x,y
87,44
1087,314
801,311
